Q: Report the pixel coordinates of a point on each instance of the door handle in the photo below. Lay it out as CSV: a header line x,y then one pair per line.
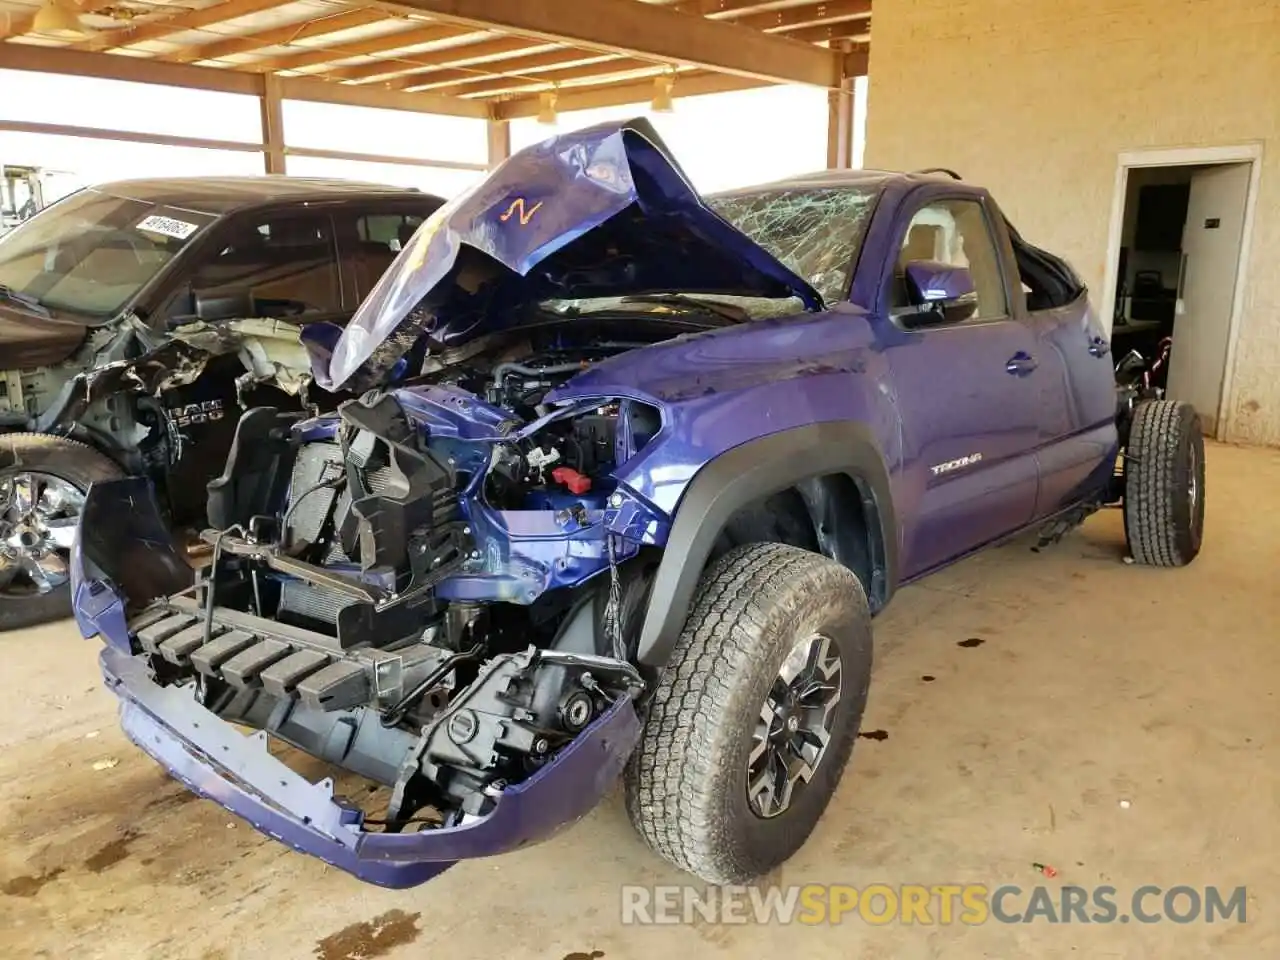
x,y
1099,347
1020,364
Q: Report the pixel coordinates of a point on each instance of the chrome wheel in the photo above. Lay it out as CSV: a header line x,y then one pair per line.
x,y
794,727
38,517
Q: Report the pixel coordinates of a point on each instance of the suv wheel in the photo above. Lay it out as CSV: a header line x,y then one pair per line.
x,y
755,715
1164,484
42,487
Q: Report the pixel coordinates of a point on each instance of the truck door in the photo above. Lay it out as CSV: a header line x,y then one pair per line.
x,y
965,382
1076,400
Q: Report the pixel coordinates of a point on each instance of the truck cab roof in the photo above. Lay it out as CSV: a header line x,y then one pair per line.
x,y
221,195
855,178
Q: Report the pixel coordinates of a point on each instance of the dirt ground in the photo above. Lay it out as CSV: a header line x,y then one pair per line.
x,y
1116,723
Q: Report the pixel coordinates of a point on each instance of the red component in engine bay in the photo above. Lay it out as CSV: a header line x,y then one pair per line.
x,y
571,478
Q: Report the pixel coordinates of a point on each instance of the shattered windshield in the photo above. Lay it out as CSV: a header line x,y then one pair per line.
x,y
815,231
90,253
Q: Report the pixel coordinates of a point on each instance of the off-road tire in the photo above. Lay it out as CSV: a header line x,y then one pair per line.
x,y
686,783
1163,519
78,464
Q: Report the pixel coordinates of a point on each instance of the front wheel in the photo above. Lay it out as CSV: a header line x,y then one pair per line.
x,y
1164,484
43,482
755,715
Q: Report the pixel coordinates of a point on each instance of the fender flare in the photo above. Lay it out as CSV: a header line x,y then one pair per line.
x,y
745,474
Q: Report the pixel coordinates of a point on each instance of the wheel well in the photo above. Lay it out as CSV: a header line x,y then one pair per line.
x,y
834,515
848,513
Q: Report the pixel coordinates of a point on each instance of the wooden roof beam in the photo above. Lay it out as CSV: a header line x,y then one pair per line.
x,y
729,9
691,84
322,91
522,69
534,72
279,36
816,14
856,30
419,36
502,49
159,29
855,64
105,66
411,64
550,78
647,31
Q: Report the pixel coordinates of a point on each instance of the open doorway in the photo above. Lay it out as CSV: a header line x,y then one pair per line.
x,y
1180,229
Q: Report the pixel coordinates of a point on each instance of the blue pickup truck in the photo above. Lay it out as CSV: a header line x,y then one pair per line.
x,y
630,473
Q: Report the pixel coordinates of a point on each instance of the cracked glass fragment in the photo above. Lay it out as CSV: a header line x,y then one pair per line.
x,y
816,231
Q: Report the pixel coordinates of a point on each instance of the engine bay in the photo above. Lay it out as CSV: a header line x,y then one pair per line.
x,y
429,588
569,456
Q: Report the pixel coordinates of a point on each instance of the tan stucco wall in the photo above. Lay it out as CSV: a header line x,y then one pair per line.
x,y
1036,99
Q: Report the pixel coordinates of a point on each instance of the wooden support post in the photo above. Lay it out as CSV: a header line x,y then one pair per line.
x,y
272,124
499,142
840,108
840,128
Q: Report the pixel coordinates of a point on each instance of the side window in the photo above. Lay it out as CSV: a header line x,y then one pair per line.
x,y
379,238
392,230
285,265
954,232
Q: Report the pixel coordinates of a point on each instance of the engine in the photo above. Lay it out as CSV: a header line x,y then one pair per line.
x,y
349,606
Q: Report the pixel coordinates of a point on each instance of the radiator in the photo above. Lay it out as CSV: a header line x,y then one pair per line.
x,y
317,462
308,600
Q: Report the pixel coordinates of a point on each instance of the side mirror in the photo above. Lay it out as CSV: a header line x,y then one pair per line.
x,y
228,305
943,291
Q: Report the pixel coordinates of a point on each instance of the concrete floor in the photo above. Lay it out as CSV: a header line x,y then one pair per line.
x,y
1096,683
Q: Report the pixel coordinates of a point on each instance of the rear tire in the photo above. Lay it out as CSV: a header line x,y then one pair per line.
x,y
77,464
1164,484
687,784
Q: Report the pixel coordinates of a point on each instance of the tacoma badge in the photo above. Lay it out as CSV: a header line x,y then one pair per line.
x,y
951,465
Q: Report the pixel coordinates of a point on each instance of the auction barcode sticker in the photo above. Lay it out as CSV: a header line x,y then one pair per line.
x,y
168,226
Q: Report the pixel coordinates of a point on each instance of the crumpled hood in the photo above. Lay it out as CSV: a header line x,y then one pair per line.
x,y
601,212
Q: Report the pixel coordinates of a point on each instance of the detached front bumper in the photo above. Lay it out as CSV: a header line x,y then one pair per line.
x,y
122,548
217,761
